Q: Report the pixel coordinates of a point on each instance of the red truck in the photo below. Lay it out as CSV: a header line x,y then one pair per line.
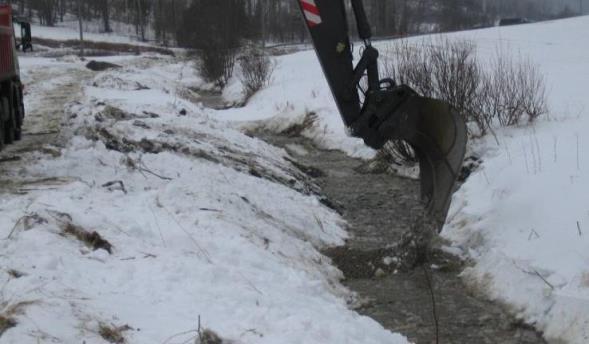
x,y
11,88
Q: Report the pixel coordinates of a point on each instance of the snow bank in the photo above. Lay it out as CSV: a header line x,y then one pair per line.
x,y
205,224
524,215
297,89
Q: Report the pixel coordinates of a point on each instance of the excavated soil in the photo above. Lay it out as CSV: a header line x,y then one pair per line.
x,y
382,264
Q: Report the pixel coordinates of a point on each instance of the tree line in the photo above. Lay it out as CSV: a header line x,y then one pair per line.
x,y
188,22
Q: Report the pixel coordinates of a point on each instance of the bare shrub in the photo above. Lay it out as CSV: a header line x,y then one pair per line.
x,y
216,40
532,91
404,63
256,71
217,64
446,70
456,75
502,92
511,92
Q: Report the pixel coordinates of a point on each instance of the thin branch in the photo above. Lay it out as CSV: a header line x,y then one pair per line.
x,y
14,227
535,272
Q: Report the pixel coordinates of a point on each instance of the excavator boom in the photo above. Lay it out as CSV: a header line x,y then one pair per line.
x,y
388,111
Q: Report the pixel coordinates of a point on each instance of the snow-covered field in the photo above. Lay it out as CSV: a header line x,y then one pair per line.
x,y
523,217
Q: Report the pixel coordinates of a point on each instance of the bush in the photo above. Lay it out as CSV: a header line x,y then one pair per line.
x,y
511,92
504,92
256,71
215,40
217,64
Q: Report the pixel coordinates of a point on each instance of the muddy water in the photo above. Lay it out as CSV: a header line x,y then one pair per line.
x,y
380,209
212,100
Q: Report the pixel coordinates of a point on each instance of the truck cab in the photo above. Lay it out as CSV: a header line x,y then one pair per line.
x,y
11,88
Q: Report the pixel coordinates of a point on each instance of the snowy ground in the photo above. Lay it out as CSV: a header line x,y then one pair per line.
x,y
201,221
219,225
524,216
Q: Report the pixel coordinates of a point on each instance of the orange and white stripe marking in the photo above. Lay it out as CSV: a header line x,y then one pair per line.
x,y
311,12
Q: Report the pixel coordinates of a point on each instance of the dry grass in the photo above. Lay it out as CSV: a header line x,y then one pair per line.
x,y
296,130
8,312
15,273
202,336
208,337
6,323
90,239
113,334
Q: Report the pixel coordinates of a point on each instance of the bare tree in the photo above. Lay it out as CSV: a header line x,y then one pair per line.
x,y
81,26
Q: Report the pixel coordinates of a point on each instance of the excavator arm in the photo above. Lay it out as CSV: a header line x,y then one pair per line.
x,y
388,111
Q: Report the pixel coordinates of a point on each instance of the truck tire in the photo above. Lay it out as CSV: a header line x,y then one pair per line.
x,y
3,109
10,123
19,113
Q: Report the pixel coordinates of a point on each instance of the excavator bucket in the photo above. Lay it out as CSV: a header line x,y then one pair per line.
x,y
431,127
438,135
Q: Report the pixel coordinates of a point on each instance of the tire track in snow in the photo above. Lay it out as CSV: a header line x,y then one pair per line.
x,y
48,89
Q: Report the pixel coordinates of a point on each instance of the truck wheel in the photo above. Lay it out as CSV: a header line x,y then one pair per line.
x,y
19,113
10,125
3,109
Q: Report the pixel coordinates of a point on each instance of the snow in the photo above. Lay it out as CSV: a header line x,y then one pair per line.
x,y
198,235
297,89
523,216
206,224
